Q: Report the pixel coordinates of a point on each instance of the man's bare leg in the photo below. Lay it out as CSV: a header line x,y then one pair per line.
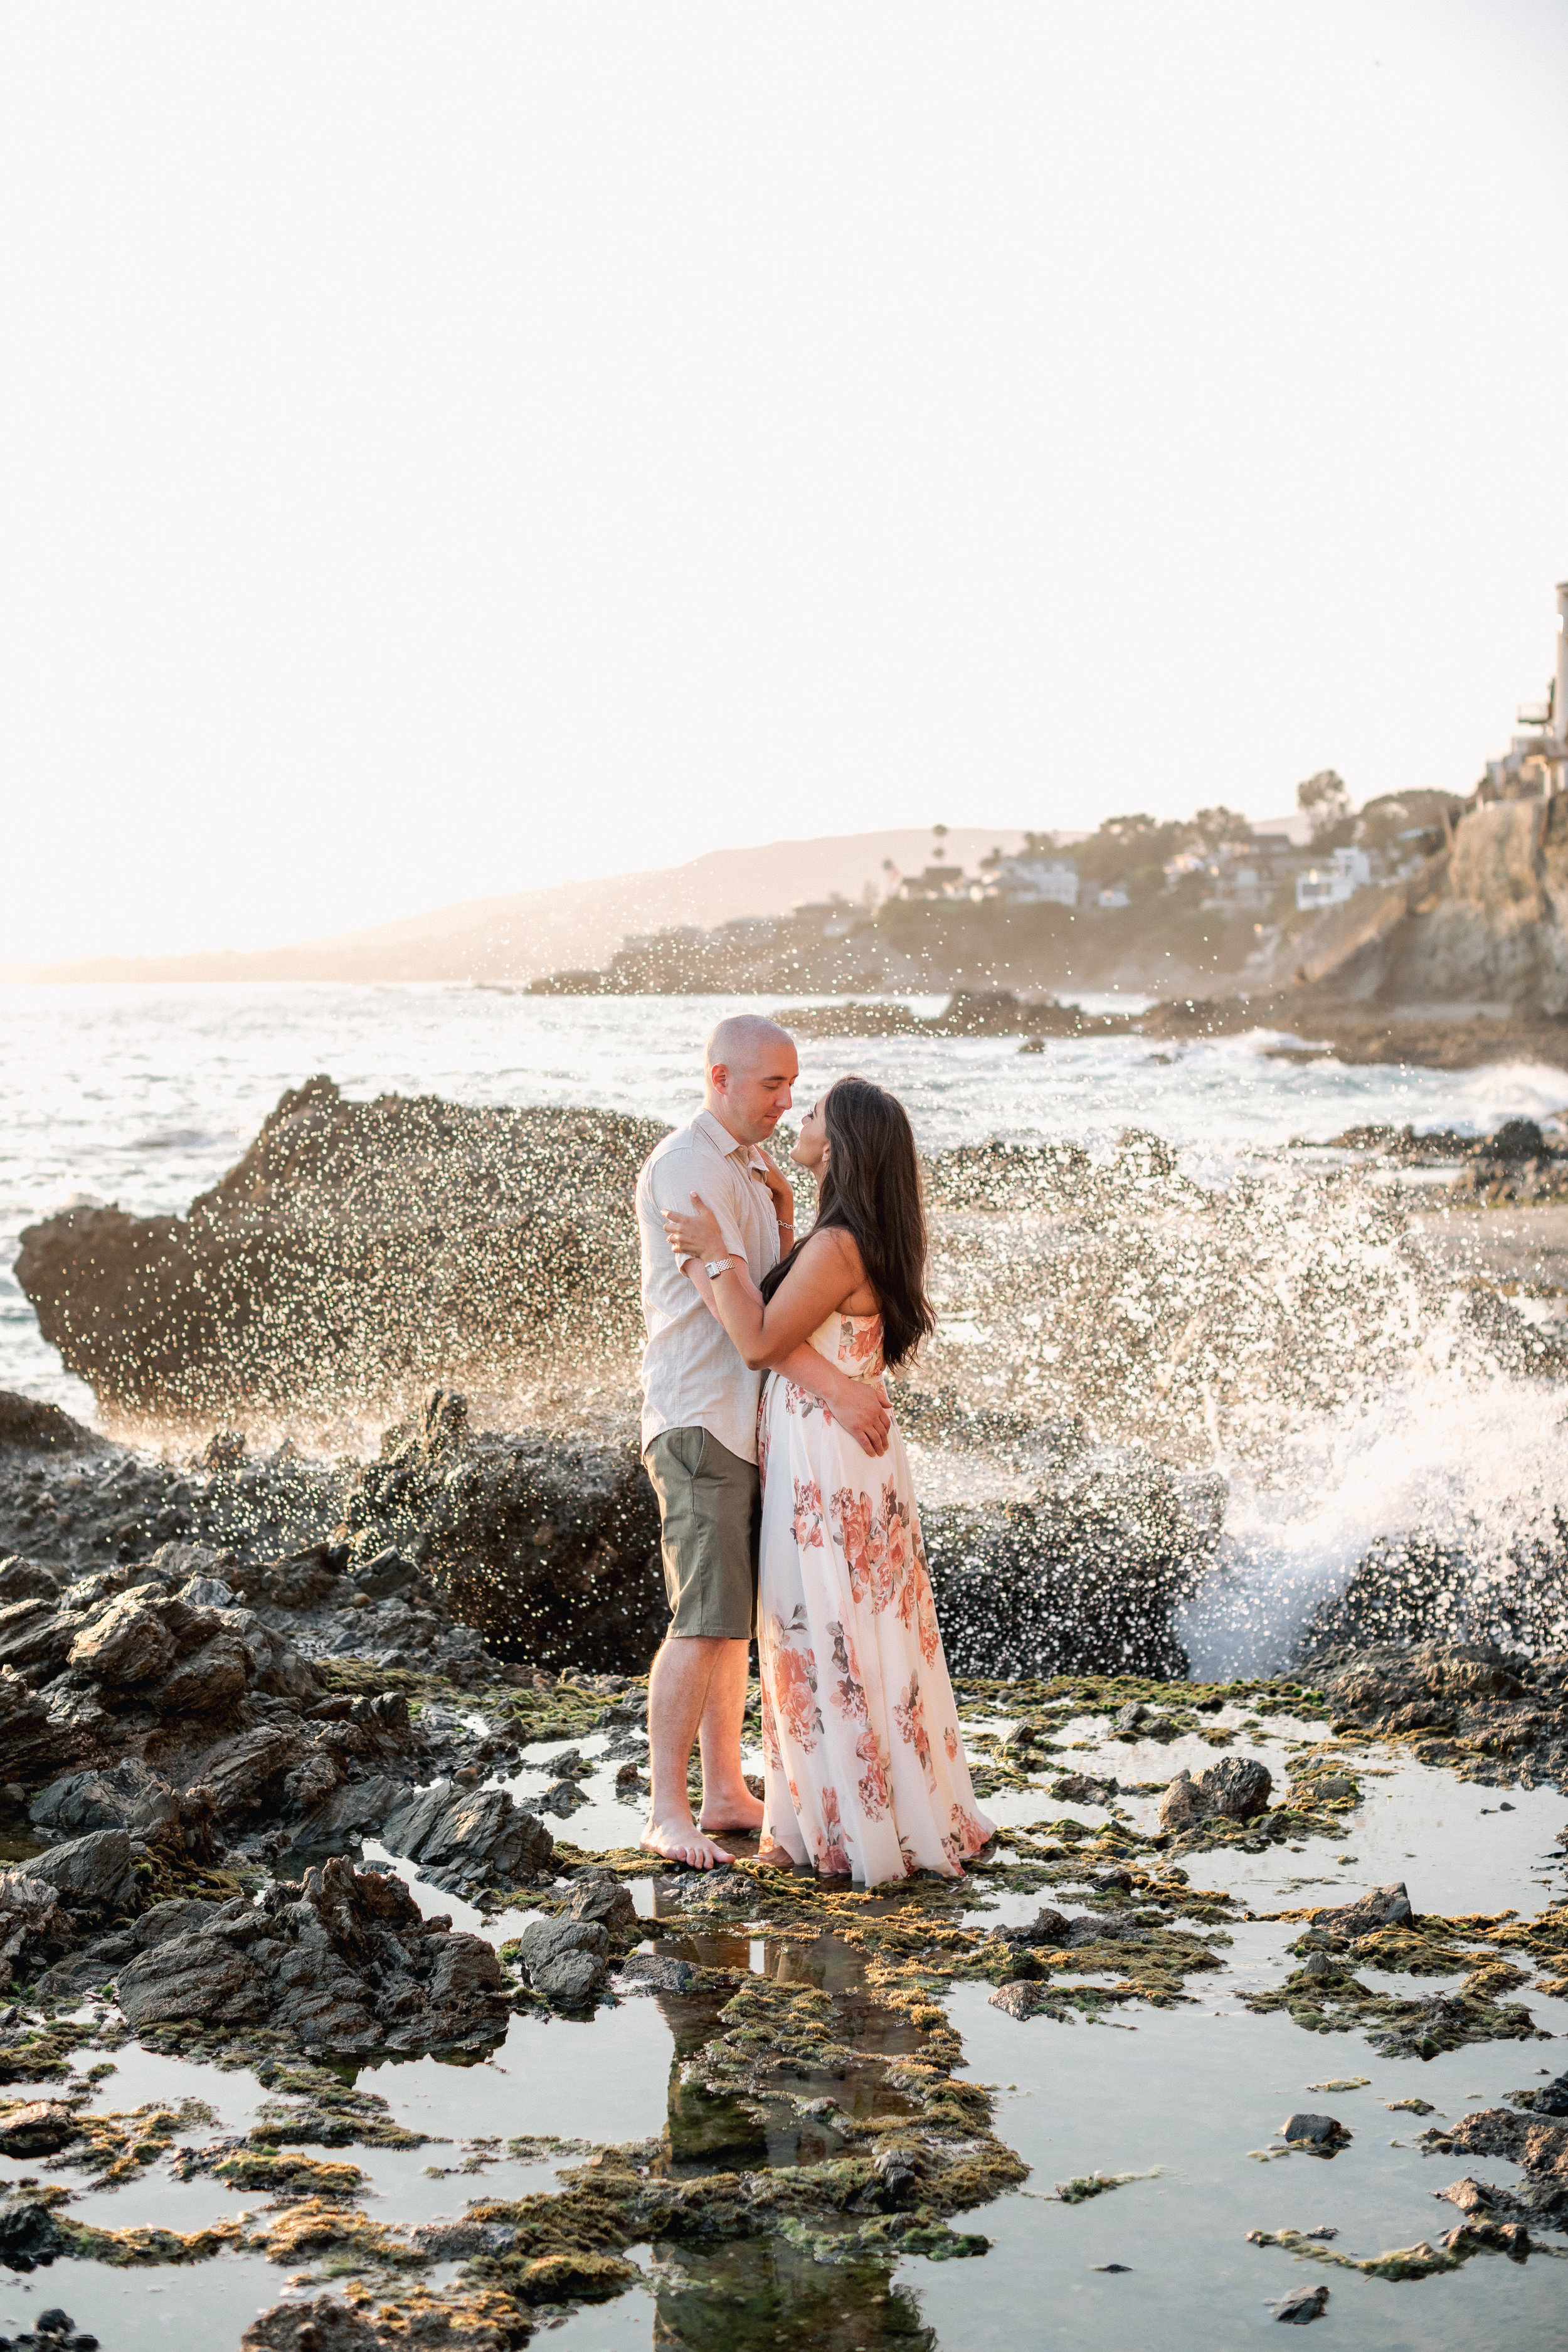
x,y
727,1802
677,1691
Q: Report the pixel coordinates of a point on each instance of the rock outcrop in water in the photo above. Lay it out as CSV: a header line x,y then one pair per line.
x,y
356,1251
1492,1714
342,1962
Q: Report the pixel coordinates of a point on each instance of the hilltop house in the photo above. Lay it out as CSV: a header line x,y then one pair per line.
x,y
1348,871
1034,879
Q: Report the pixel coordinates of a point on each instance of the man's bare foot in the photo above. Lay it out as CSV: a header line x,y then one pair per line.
x,y
736,1810
683,1842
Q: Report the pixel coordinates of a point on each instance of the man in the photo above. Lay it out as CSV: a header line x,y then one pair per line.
x,y
700,1430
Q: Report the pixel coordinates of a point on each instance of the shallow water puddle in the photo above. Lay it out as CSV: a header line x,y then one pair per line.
x,y
168,2310
1193,2093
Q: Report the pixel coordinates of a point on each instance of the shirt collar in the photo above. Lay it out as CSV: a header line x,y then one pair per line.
x,y
716,1133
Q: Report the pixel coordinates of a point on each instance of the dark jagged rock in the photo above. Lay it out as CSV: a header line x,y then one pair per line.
x,y
27,1580
1080,1579
112,1506
1539,2148
469,1837
565,1959
1047,1926
357,1249
30,1742
30,2235
341,1961
88,1873
1414,1588
31,1927
1235,1789
31,1426
1318,2131
541,1543
1383,1906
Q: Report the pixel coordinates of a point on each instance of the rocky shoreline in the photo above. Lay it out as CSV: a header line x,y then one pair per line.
x,y
232,1749
1327,1022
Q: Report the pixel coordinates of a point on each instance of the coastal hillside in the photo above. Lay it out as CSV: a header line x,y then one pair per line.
x,y
519,935
1484,921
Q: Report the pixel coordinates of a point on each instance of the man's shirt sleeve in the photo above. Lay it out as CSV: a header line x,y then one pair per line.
x,y
673,1180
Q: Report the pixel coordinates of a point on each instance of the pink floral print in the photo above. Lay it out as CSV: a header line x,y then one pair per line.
x,y
808,1519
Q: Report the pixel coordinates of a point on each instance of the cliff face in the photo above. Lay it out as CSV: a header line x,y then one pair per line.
x,y
1486,923
358,1250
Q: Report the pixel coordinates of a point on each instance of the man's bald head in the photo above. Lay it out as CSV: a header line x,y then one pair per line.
x,y
744,1040
750,1066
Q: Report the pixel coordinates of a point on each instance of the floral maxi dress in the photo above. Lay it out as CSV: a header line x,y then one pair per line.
x,y
864,1769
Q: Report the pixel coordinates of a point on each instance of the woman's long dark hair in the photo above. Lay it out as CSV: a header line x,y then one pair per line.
x,y
872,1187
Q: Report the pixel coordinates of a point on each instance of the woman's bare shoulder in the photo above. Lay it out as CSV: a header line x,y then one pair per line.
x,y
832,1245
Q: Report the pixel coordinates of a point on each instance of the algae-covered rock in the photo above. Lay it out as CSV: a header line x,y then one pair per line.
x,y
1320,2132
36,2127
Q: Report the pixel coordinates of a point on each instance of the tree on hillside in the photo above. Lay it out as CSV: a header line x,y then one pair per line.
x,y
1325,800
1131,849
1215,826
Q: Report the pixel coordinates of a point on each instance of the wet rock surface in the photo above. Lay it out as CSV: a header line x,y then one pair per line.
x,y
341,1961
822,2123
357,1248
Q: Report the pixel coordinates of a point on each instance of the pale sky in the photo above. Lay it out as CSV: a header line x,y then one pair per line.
x,y
450,450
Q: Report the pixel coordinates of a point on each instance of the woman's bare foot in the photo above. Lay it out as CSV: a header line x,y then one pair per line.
x,y
734,1808
680,1840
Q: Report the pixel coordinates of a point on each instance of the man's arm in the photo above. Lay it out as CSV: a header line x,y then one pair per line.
x,y
860,1406
670,1183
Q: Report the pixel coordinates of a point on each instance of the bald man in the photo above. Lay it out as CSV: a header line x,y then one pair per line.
x,y
700,1430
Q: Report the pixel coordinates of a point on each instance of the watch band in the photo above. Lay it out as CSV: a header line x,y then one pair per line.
x,y
714,1268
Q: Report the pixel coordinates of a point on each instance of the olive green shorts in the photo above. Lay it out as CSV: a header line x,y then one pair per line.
x,y
709,1510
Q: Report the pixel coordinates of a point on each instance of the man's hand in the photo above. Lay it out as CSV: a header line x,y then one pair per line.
x,y
778,1186
863,1410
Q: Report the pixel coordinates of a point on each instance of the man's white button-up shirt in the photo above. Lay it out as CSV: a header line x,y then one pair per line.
x,y
693,1375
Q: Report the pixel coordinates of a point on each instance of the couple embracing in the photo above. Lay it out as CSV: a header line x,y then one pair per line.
x,y
798,1519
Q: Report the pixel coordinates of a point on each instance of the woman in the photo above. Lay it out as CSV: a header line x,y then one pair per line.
x,y
865,1770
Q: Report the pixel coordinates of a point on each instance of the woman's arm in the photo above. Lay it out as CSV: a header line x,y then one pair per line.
x,y
824,1275
859,1406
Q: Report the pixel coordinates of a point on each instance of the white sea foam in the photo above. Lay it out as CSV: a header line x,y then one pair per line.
x,y
1471,1463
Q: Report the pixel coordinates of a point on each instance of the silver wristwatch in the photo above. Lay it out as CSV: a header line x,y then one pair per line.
x,y
713,1267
